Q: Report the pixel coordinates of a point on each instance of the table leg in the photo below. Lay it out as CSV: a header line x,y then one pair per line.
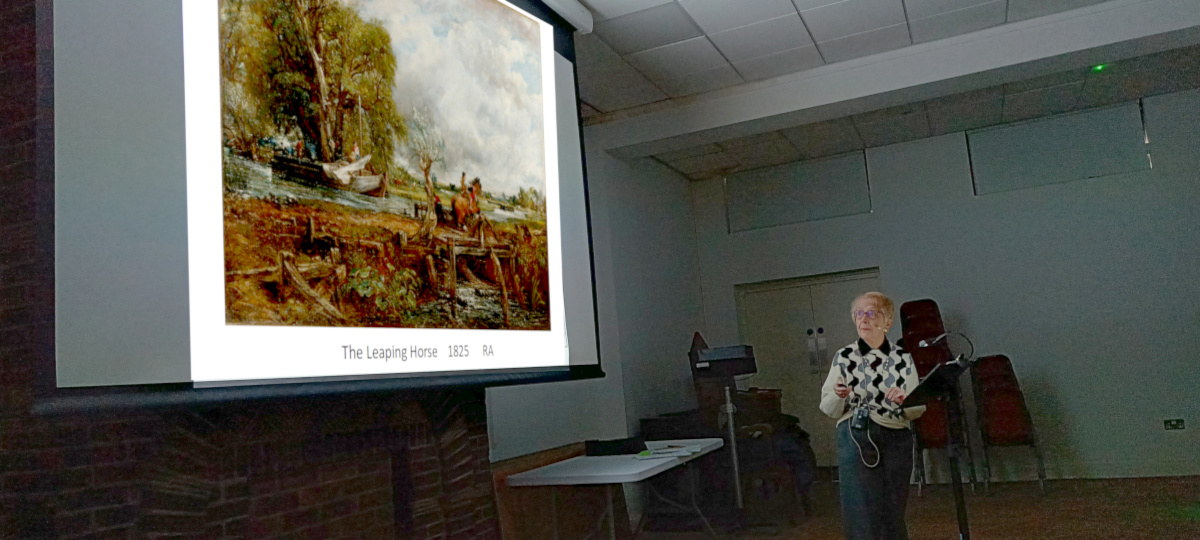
x,y
691,472
554,509
612,520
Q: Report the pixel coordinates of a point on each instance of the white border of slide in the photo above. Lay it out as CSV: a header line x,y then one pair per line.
x,y
231,353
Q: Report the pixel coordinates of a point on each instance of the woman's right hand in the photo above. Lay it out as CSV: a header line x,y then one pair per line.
x,y
841,390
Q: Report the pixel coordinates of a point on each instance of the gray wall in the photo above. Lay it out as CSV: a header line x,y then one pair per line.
x,y
648,303
655,282
1090,286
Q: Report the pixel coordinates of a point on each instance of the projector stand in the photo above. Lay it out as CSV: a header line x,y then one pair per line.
x,y
729,409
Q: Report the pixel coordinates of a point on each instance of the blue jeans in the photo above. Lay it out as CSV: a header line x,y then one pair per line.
x,y
874,498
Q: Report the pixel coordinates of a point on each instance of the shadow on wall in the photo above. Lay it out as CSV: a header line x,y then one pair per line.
x,y
1053,425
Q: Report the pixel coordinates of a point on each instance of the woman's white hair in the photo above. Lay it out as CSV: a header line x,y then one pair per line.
x,y
881,300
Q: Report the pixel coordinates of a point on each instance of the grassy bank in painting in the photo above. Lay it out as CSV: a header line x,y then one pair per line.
x,y
316,263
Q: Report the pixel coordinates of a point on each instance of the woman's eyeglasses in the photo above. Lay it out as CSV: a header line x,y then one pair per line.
x,y
870,313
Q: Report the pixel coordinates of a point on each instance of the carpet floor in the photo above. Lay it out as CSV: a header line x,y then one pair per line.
x,y
1126,509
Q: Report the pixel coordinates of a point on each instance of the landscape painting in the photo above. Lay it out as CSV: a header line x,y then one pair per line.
x,y
383,164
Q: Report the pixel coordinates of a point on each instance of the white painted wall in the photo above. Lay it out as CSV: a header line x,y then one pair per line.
x,y
648,303
655,281
1092,287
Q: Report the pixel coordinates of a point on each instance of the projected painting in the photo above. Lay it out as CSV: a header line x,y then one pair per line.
x,y
383,164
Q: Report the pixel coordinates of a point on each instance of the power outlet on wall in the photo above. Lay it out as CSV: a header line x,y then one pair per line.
x,y
1174,423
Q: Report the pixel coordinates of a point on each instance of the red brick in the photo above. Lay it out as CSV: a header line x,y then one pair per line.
x,y
235,489
117,516
95,497
296,479
294,521
340,471
112,474
74,522
340,508
275,504
380,497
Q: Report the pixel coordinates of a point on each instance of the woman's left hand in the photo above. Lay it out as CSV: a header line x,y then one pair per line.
x,y
895,395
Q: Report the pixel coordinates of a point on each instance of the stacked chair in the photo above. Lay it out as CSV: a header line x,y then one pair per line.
x,y
922,320
1003,418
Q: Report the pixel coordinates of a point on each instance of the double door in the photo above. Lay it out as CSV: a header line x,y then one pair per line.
x,y
796,326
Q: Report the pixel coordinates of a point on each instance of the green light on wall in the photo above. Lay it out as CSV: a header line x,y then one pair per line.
x,y
1099,68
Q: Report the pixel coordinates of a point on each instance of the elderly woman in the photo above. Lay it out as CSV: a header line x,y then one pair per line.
x,y
866,385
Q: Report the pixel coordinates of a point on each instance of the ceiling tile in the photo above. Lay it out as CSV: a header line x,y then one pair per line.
x,y
919,9
719,15
1046,81
986,94
647,29
890,113
804,5
912,124
781,63
824,138
1114,90
615,87
704,81
962,21
763,38
676,155
1041,102
751,140
587,111
765,154
1019,10
608,9
591,51
865,44
718,161
965,115
852,17
677,59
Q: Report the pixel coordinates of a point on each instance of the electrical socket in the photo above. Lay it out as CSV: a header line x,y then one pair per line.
x,y
1174,423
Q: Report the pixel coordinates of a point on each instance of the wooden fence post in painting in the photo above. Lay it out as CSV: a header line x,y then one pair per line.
x,y
431,273
453,281
516,278
340,277
285,283
292,281
401,240
503,286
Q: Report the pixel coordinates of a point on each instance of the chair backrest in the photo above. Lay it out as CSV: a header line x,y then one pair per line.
x,y
922,320
1003,416
931,426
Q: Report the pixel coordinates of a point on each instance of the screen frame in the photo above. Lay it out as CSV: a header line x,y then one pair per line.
x,y
49,399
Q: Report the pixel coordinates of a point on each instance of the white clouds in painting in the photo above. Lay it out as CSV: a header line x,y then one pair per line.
x,y
474,66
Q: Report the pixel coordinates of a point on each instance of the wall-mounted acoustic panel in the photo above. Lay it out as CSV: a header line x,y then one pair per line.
x,y
797,192
1089,144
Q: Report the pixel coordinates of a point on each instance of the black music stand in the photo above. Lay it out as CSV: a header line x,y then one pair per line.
x,y
723,365
942,383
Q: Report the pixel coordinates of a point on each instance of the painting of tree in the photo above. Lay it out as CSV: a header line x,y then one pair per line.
x,y
317,66
333,213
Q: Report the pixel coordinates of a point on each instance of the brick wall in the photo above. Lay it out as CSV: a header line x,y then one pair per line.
x,y
381,466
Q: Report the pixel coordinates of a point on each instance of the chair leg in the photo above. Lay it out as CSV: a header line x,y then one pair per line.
x,y
1037,451
987,471
973,475
919,461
